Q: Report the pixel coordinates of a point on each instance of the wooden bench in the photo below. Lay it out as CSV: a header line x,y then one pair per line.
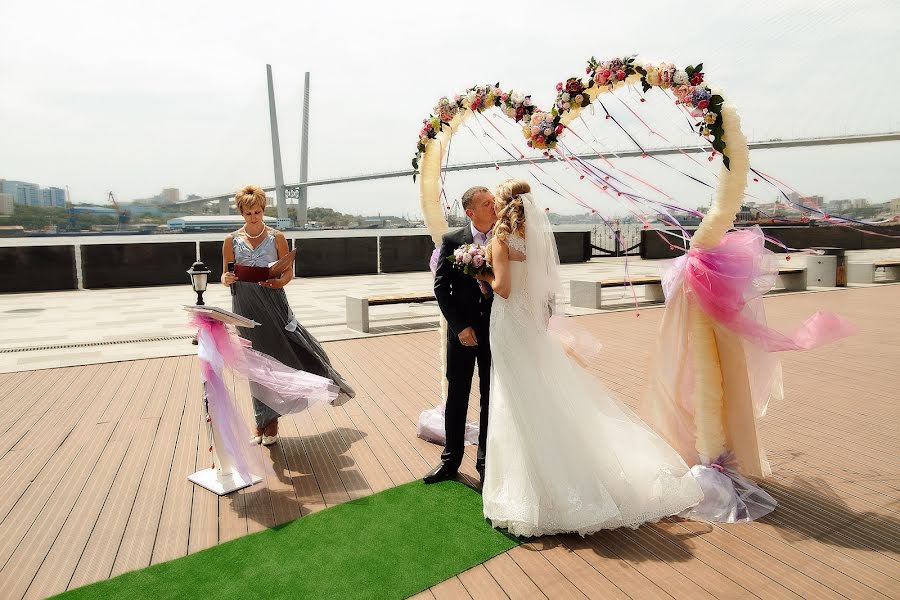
x,y
792,279
358,307
865,272
587,294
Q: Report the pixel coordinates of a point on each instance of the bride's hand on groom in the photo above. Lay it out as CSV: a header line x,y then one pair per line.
x,y
467,337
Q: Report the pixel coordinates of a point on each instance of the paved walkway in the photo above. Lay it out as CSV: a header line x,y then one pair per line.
x,y
56,329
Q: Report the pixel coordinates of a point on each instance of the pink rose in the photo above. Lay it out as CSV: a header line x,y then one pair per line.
x,y
620,74
478,261
703,104
559,86
466,258
559,129
697,78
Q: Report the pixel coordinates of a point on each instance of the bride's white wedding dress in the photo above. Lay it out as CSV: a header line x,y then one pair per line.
x,y
562,454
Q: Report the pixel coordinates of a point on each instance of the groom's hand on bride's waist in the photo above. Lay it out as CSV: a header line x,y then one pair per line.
x,y
467,337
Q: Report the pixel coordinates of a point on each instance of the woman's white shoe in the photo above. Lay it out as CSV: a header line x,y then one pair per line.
x,y
268,440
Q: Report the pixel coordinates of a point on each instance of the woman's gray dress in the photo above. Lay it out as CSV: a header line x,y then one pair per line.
x,y
279,334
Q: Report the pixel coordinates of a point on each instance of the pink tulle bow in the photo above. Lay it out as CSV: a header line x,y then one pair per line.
x,y
727,280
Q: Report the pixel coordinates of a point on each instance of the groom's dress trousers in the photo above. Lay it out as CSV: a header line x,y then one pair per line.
x,y
463,305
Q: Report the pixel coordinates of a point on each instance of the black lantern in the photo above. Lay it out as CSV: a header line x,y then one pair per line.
x,y
199,278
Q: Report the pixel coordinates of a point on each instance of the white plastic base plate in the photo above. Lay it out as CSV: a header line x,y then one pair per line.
x,y
220,483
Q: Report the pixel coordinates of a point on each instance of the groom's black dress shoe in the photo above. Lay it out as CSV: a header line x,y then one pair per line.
x,y
442,472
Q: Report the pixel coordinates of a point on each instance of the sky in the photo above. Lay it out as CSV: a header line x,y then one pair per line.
x,y
137,96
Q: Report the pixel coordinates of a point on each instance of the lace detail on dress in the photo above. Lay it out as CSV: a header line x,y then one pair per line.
x,y
516,242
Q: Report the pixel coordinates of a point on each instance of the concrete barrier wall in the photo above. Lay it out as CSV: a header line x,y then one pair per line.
x,y
405,253
317,257
656,244
211,255
37,269
136,265
574,246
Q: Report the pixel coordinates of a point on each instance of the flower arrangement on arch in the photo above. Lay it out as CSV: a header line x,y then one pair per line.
x,y
542,129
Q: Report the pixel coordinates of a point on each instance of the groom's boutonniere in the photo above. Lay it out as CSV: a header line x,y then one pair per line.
x,y
471,259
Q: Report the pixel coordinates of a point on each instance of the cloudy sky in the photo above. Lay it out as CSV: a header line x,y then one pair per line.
x,y
136,96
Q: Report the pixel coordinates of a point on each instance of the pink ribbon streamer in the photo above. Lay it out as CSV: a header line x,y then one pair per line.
x,y
728,279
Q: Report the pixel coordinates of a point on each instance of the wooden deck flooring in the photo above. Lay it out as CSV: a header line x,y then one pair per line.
x,y
94,459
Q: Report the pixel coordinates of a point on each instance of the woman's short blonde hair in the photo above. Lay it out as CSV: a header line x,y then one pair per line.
x,y
250,197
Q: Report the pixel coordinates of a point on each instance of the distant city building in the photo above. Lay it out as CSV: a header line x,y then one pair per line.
x,y
213,223
53,197
816,202
7,203
31,194
860,203
839,206
95,210
28,194
170,195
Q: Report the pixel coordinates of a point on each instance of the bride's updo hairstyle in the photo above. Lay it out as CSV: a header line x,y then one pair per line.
x,y
509,207
249,198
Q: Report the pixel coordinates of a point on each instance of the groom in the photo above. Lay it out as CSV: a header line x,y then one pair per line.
x,y
468,315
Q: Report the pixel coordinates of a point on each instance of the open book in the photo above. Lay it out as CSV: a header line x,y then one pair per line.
x,y
272,271
282,264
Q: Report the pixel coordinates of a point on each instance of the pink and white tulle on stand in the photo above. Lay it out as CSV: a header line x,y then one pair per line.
x,y
284,389
725,285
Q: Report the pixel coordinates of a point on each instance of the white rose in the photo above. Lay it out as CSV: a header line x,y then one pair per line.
x,y
681,77
565,97
527,101
517,97
466,258
565,105
471,96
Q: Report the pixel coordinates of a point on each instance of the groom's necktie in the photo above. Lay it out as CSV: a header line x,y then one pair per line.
x,y
482,239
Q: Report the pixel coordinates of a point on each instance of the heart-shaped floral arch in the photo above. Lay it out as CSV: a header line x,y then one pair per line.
x,y
717,122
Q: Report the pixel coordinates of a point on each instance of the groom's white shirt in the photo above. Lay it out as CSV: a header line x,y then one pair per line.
x,y
480,238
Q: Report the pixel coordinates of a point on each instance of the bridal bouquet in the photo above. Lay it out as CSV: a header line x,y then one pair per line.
x,y
471,259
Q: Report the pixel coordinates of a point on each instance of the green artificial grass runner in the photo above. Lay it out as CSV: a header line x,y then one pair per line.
x,y
389,545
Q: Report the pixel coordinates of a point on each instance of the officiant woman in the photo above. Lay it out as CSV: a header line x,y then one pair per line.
x,y
256,294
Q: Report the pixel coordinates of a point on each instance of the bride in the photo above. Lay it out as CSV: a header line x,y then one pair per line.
x,y
563,454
